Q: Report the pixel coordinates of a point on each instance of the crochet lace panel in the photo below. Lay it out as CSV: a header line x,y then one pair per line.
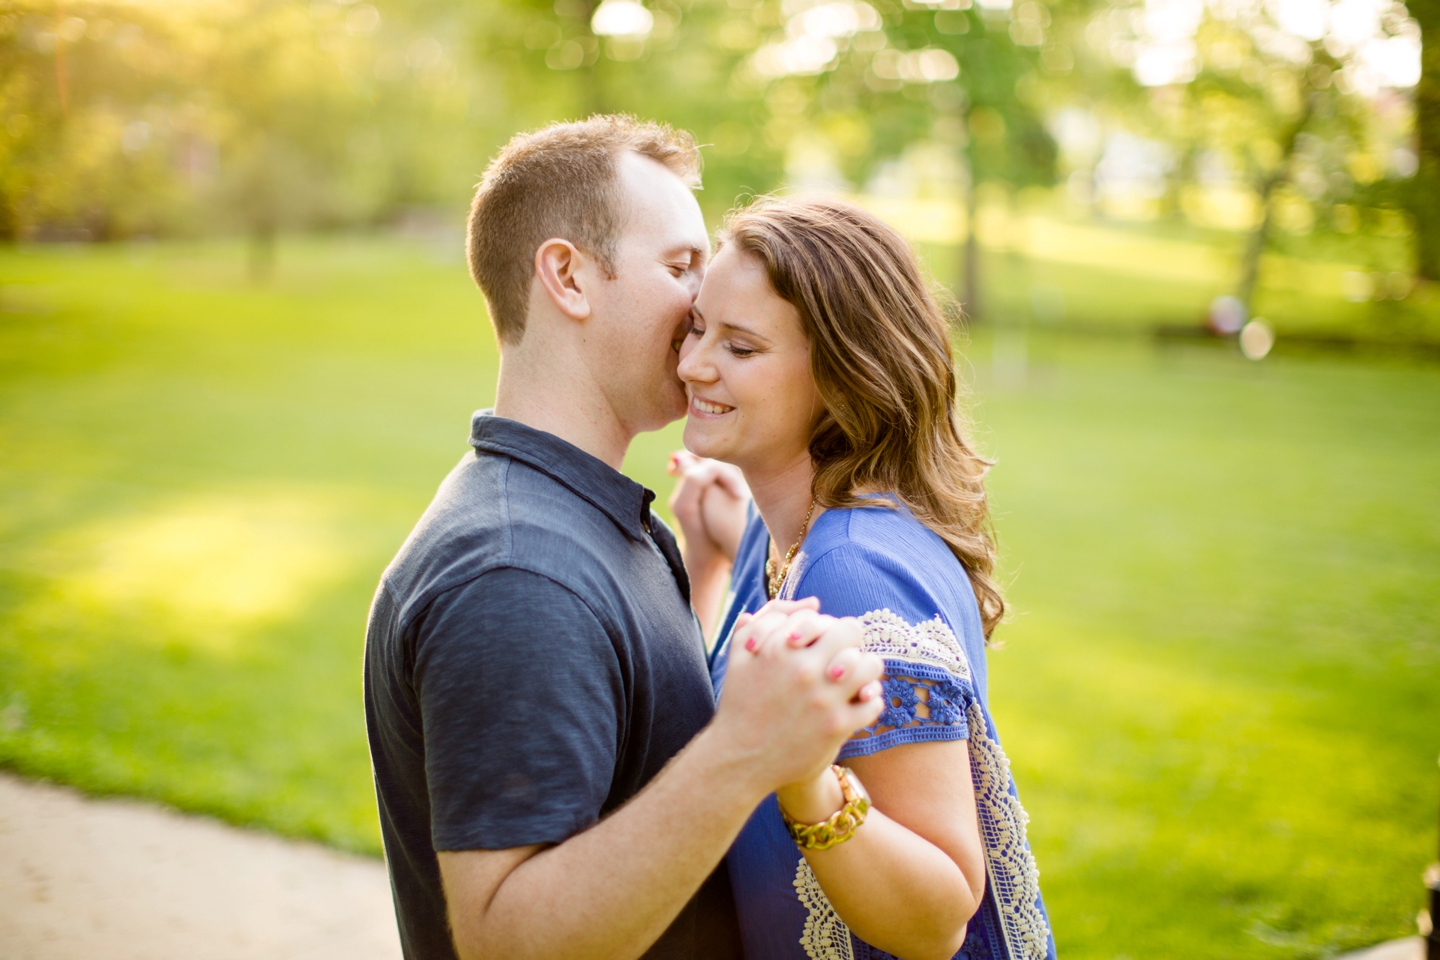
x,y
1013,875
825,936
929,696
932,642
926,684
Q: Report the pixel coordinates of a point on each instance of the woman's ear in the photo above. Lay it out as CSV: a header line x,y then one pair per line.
x,y
559,265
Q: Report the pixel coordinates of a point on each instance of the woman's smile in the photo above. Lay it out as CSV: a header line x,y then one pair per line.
x,y
746,345
708,408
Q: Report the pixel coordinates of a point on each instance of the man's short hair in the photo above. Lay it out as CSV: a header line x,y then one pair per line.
x,y
560,181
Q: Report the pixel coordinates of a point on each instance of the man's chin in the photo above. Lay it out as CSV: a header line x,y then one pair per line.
x,y
677,406
666,412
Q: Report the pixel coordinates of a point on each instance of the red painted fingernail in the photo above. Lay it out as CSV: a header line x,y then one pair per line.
x,y
794,635
751,644
837,672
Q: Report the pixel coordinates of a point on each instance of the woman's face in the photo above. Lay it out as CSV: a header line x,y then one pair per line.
x,y
746,368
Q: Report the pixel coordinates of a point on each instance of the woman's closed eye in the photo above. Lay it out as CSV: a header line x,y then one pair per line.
x,y
736,349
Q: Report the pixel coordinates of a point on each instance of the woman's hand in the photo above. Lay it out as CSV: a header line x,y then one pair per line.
x,y
819,685
709,502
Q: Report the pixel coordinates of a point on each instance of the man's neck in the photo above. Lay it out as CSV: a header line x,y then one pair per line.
x,y
782,497
561,399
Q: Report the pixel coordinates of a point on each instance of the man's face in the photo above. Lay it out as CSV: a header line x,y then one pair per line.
x,y
645,310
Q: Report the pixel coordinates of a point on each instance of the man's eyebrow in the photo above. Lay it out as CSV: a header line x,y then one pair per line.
x,y
690,250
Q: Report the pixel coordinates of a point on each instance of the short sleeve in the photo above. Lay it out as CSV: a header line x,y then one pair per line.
x,y
522,701
928,684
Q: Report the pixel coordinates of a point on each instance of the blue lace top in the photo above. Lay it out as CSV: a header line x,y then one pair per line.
x,y
919,612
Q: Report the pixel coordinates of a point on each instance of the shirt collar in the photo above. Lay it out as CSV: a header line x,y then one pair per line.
x,y
623,500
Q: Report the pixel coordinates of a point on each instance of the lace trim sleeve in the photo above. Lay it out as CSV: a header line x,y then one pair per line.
x,y
927,684
928,681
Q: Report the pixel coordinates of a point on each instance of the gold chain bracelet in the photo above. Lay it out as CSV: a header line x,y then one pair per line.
x,y
842,823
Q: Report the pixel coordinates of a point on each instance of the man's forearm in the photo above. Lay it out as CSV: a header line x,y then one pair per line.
x,y
610,892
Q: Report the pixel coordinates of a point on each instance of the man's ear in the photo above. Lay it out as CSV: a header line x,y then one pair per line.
x,y
559,265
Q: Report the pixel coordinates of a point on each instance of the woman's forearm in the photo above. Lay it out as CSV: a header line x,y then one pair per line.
x,y
896,890
708,584
913,874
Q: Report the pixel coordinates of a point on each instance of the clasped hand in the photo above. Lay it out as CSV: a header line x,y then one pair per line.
x,y
709,503
797,686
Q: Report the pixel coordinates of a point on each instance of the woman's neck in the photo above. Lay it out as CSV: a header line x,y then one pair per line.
x,y
783,498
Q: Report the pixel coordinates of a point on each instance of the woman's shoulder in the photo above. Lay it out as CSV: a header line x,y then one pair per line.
x,y
885,538
867,559
884,526
887,531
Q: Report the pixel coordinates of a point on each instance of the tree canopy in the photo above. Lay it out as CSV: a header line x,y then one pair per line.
x,y
129,117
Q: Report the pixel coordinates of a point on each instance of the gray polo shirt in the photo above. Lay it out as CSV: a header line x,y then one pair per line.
x,y
531,662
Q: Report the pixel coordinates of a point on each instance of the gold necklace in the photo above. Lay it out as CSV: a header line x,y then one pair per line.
x,y
775,578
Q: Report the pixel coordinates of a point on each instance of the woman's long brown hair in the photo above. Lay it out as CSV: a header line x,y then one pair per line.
x,y
881,358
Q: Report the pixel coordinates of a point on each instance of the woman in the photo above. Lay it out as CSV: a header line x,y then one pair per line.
x,y
819,364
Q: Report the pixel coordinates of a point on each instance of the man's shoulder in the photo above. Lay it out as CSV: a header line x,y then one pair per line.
x,y
492,512
460,535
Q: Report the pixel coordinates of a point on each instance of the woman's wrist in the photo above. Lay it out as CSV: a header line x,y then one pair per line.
x,y
709,566
812,801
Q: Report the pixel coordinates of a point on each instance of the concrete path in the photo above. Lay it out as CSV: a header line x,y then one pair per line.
x,y
82,879
1406,948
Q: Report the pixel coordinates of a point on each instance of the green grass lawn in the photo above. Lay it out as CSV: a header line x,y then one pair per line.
x,y
1220,687
1060,274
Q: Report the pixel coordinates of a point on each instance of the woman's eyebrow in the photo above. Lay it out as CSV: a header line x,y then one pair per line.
x,y
745,330
730,326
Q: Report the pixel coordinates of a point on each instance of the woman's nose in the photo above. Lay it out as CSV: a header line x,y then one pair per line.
x,y
692,367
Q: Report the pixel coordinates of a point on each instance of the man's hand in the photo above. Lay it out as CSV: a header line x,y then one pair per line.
x,y
796,688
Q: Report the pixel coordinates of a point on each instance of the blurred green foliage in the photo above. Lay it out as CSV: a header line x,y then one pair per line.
x,y
184,593
1217,687
140,117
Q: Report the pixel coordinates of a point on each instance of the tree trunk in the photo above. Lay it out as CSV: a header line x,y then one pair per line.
x,y
970,265
1425,189
595,100
593,93
9,220
262,251
1255,245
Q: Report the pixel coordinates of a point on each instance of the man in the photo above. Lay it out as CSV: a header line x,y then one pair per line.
x,y
532,660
